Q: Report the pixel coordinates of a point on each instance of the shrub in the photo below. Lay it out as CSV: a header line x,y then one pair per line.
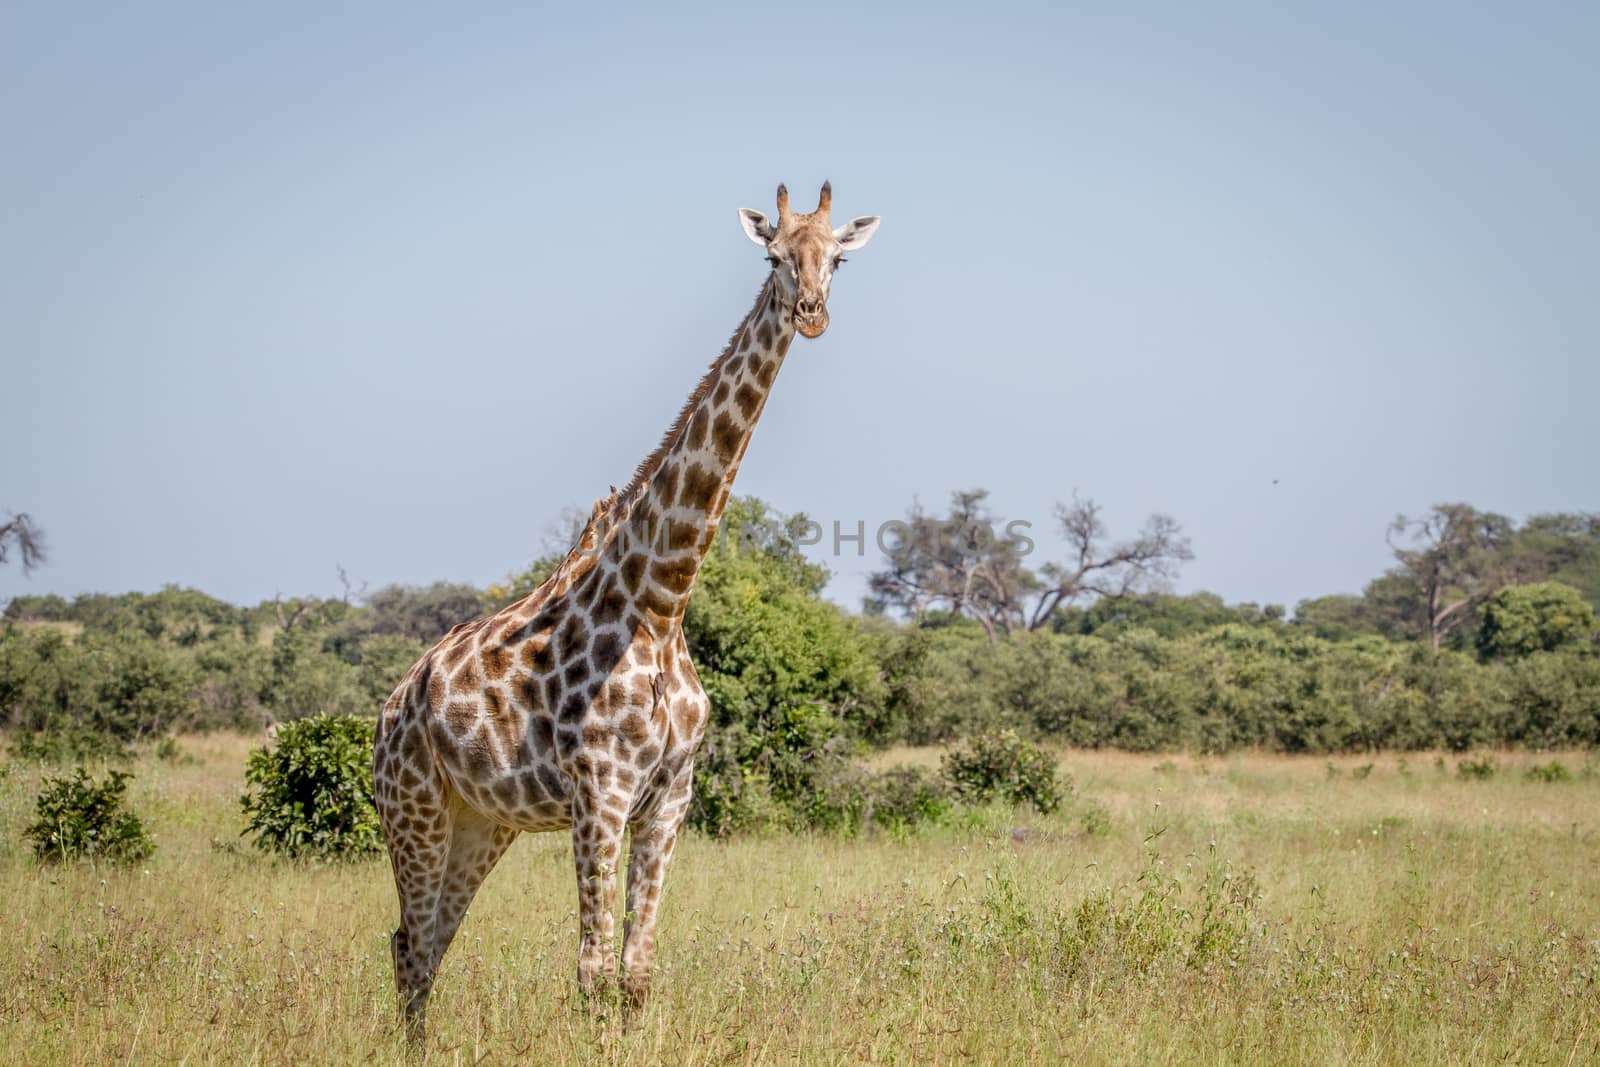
x,y
79,818
419,614
1520,620
145,689
1552,700
1554,771
305,681
64,743
791,682
1476,768
234,674
385,659
1096,820
1003,765
126,686
906,796
310,794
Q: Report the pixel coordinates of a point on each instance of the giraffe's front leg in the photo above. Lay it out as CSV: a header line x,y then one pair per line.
x,y
597,820
654,835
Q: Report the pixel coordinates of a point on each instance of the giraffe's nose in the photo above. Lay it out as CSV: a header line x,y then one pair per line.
x,y
808,306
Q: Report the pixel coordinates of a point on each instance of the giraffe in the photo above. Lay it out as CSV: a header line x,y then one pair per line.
x,y
577,708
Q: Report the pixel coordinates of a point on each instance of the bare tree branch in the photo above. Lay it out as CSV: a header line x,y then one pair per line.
x,y
20,531
961,565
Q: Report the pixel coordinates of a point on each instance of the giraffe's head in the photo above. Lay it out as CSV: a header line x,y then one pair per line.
x,y
804,251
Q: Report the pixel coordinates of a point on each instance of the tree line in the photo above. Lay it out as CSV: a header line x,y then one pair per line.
x,y
1482,633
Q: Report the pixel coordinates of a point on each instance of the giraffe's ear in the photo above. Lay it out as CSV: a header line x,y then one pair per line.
x,y
756,226
856,233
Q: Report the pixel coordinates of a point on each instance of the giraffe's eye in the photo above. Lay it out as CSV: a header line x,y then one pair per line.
x,y
775,261
837,262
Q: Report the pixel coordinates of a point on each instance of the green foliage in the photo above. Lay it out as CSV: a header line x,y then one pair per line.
x,y
179,616
1096,820
384,661
1165,614
421,613
1520,620
144,688
1004,765
310,794
1554,771
304,681
798,687
1551,700
1450,561
790,679
1340,617
63,743
1232,687
124,686
907,796
234,676
77,818
1562,547
1478,769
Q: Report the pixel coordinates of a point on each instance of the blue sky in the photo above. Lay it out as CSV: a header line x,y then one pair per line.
x,y
389,286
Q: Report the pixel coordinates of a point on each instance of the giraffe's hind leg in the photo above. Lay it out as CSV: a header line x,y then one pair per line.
x,y
476,845
413,808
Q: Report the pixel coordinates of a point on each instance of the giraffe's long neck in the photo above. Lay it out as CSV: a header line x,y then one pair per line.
x,y
669,514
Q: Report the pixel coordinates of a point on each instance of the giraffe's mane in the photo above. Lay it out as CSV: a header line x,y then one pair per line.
x,y
611,511
587,547
651,463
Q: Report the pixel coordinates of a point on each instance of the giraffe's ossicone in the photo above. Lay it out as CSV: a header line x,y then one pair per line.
x,y
577,708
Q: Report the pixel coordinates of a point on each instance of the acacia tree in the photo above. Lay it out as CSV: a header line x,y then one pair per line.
x,y
1097,569
1454,557
960,564
957,564
1562,547
19,533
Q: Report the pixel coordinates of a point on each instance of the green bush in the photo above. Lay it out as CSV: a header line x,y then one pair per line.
x,y
63,743
1551,700
125,685
904,797
1479,769
310,794
791,682
1554,771
1003,765
1096,820
838,795
234,674
1230,688
1520,620
385,659
303,680
76,818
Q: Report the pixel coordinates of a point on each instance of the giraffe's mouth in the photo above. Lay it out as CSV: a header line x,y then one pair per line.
x,y
811,326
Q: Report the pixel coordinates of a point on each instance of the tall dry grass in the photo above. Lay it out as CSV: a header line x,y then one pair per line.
x,y
1242,909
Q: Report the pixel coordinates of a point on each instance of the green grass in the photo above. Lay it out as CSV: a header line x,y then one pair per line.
x,y
1241,909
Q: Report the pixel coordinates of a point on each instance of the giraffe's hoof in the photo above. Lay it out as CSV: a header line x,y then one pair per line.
x,y
635,992
599,997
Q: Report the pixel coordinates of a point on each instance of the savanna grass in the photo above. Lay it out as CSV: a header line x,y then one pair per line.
x,y
1247,909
